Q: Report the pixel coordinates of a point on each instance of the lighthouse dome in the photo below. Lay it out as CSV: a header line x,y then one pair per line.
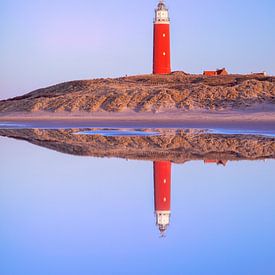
x,y
161,6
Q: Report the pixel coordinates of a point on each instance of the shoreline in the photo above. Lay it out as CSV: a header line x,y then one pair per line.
x,y
194,119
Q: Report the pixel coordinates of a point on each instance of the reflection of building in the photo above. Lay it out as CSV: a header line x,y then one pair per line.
x,y
161,62
217,161
162,194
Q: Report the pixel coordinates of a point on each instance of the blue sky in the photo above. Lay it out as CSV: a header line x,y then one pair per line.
x,y
47,42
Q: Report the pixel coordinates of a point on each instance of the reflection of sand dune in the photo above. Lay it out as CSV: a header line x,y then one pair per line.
x,y
177,146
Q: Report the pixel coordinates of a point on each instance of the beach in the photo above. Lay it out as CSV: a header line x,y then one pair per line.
x,y
227,120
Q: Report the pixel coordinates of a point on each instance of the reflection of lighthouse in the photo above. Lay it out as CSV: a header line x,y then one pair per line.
x,y
161,65
162,193
161,62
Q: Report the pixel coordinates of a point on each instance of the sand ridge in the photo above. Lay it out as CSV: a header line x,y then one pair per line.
x,y
149,93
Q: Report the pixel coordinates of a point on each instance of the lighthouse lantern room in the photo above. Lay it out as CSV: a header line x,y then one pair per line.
x,y
161,58
162,13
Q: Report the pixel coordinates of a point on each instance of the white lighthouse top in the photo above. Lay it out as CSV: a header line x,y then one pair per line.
x,y
161,13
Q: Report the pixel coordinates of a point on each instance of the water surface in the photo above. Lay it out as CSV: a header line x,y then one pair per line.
x,y
63,213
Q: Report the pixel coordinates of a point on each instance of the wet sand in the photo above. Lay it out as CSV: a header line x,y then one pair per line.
x,y
226,120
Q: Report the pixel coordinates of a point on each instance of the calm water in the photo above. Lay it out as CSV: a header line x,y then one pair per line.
x,y
65,214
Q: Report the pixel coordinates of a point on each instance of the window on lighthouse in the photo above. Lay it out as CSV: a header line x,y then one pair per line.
x,y
162,15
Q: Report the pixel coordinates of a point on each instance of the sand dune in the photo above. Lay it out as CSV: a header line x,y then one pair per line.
x,y
149,93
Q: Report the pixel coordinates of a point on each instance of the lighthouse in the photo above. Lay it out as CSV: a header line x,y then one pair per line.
x,y
161,52
162,194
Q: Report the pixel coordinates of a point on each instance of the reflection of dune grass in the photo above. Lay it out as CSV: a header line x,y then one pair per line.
x,y
151,93
174,145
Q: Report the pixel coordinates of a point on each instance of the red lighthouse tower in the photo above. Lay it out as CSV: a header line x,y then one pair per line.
x,y
162,194
161,62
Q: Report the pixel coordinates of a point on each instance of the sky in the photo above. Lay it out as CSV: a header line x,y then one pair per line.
x,y
63,214
44,42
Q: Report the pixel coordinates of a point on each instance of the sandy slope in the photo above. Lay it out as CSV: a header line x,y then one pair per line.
x,y
149,93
